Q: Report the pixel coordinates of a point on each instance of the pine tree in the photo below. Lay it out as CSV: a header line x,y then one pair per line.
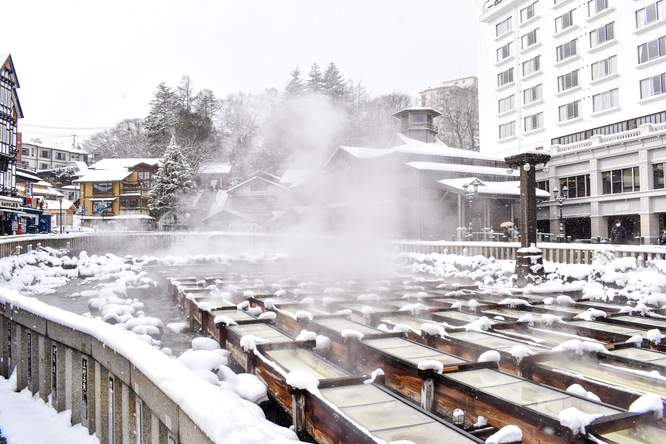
x,y
173,185
315,82
161,119
295,87
333,84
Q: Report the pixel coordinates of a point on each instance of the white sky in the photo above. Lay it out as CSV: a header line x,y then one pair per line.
x,y
86,65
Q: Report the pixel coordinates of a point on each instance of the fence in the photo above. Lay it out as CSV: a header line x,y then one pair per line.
x,y
140,243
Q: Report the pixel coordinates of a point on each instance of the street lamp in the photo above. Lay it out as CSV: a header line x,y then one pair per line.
x,y
60,198
471,191
561,199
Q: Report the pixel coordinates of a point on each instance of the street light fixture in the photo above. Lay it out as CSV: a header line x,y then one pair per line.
x,y
471,191
60,198
560,199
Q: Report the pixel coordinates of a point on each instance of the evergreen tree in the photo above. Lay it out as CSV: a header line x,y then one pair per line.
x,y
173,185
295,87
161,119
333,85
316,80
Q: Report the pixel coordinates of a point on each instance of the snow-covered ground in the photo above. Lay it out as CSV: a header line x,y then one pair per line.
x,y
113,283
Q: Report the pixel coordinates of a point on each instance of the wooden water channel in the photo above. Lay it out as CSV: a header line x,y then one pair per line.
x,y
391,373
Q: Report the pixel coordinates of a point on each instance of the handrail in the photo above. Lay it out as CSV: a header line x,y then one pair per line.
x,y
144,242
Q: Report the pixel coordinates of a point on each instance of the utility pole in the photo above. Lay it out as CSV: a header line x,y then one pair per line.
x,y
74,141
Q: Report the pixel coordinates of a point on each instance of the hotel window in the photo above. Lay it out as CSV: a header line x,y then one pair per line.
x,y
43,166
504,26
601,35
564,21
569,49
506,104
567,81
507,130
594,7
45,154
505,77
653,86
532,94
650,14
505,51
531,66
569,111
625,180
529,39
604,68
527,13
534,122
658,176
651,50
25,151
606,100
579,186
543,185
60,156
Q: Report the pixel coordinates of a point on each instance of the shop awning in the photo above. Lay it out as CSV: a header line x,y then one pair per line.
x,y
102,199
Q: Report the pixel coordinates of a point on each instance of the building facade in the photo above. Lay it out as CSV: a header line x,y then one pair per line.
x,y
584,81
115,193
10,112
40,157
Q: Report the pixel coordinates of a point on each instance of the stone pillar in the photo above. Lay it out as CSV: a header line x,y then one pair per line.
x,y
650,227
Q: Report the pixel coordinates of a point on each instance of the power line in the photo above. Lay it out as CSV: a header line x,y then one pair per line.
x,y
67,128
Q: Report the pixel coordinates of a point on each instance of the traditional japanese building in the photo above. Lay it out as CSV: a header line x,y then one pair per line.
x,y
10,112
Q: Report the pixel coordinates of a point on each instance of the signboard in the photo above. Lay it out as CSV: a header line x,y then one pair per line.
x,y
54,373
84,388
29,357
110,410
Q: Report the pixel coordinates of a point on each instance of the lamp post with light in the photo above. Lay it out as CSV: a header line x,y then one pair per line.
x,y
60,198
560,198
471,190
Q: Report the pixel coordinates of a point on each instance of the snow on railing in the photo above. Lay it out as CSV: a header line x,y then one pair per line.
x,y
599,140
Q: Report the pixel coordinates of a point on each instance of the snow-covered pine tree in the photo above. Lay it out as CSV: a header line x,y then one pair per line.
x,y
173,185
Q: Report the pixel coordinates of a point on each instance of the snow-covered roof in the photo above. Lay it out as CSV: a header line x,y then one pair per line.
x,y
125,162
255,178
463,168
104,175
59,148
24,175
216,168
508,188
438,148
50,204
292,178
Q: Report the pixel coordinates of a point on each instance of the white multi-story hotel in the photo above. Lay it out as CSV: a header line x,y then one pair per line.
x,y
583,80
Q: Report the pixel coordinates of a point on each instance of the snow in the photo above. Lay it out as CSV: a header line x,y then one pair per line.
x,y
431,364
578,389
579,347
489,356
575,420
506,434
649,402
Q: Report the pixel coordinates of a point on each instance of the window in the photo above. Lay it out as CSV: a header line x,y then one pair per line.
x,y
653,86
533,122
569,111
604,68
102,188
594,7
43,166
621,181
564,21
504,26
601,35
578,186
569,49
505,51
102,206
45,154
529,39
60,156
505,77
651,50
543,185
527,13
658,176
531,66
25,151
605,100
506,104
130,204
507,130
650,14
567,81
532,94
